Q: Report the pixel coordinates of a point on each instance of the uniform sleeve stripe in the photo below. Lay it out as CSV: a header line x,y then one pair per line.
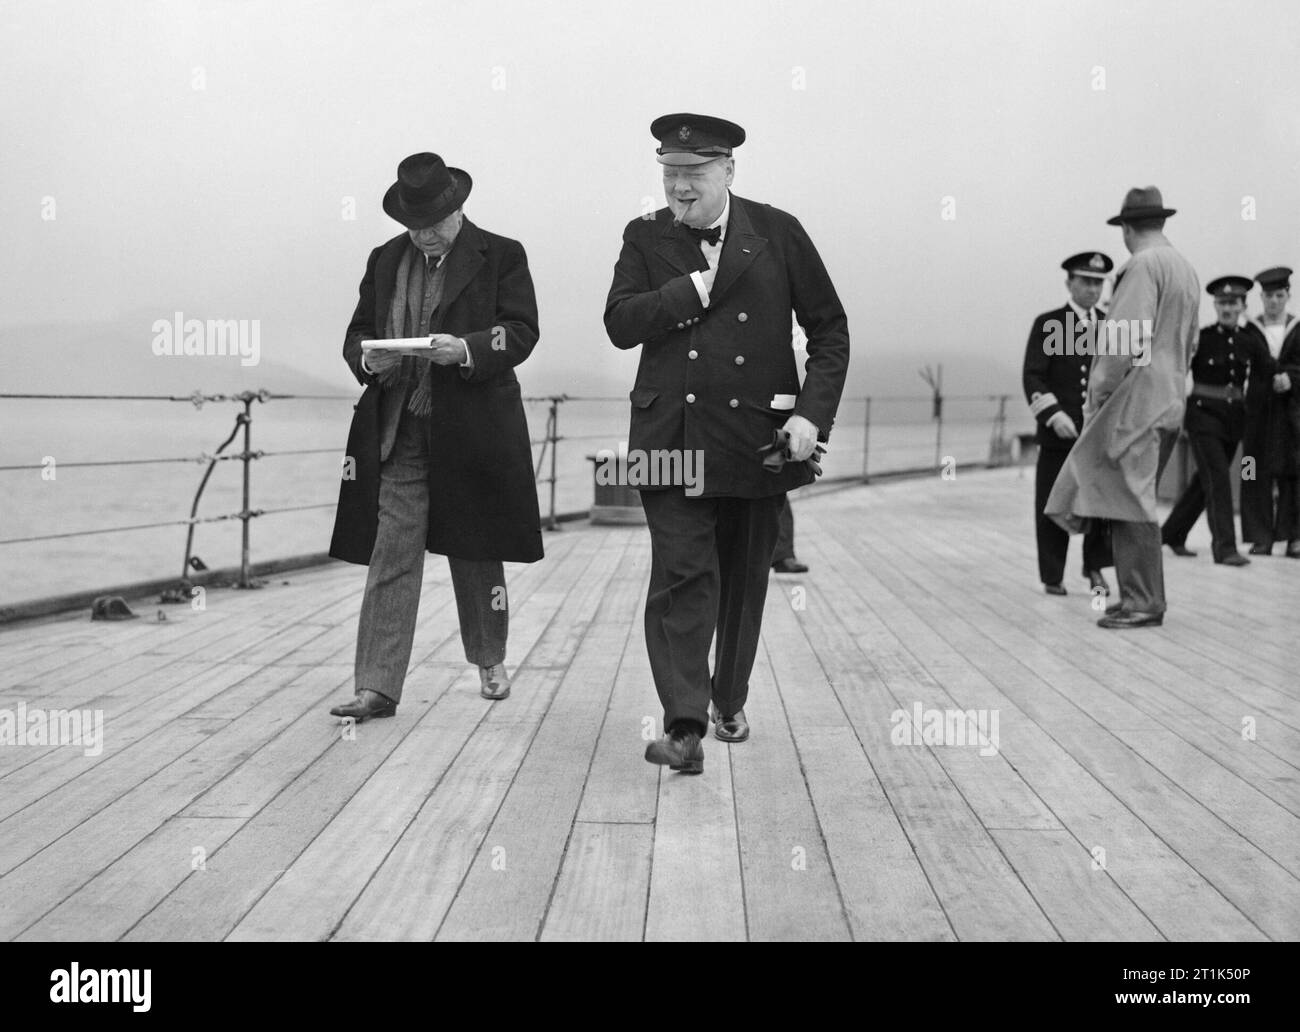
x,y
1044,401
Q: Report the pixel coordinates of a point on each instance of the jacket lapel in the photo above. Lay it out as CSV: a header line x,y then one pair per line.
x,y
463,264
386,280
739,249
680,250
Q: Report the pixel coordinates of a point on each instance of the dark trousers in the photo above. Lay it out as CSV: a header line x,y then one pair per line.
x,y
1210,492
1264,518
1139,562
1053,541
710,561
785,534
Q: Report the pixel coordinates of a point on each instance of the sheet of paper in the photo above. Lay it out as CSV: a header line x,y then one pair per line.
x,y
398,344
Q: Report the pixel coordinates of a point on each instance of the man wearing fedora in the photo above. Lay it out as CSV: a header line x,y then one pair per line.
x,y
1058,357
705,287
1270,501
439,441
1136,397
1229,365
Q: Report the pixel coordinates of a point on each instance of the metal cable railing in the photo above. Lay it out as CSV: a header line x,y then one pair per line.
x,y
546,463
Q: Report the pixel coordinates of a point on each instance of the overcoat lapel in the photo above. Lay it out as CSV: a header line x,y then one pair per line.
x,y
463,264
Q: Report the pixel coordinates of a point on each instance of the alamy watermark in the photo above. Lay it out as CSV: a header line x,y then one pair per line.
x,y
659,467
1071,336
921,726
233,337
34,726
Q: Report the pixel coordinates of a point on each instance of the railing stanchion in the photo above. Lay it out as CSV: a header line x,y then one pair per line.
x,y
866,434
245,580
554,426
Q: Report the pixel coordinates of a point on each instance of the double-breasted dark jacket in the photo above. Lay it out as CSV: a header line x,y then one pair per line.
x,y
708,377
1227,358
482,492
1057,377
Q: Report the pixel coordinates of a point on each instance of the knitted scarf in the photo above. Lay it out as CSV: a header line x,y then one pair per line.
x,y
414,376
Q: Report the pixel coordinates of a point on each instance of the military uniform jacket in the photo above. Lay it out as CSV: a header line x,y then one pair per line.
x,y
1273,420
1226,358
708,377
1059,379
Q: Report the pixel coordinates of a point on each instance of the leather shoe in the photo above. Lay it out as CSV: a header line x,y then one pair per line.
x,y
494,682
1128,619
1233,559
679,750
1115,610
789,566
1097,580
1261,549
1293,550
1182,550
734,728
1055,589
367,704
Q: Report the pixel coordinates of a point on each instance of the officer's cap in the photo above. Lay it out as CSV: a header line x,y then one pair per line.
x,y
686,139
1230,288
1092,264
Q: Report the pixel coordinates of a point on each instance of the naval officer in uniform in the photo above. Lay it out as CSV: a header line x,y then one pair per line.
x,y
705,287
1058,358
1229,364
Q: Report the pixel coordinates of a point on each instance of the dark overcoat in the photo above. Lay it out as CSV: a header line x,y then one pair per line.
x,y
482,491
708,376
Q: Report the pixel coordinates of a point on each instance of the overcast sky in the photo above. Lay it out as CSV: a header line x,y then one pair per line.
x,y
201,155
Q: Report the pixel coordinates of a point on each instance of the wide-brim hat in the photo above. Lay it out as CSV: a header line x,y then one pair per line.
x,y
426,191
1142,202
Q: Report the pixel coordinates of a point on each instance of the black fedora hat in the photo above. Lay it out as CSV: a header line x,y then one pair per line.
x,y
1142,202
426,191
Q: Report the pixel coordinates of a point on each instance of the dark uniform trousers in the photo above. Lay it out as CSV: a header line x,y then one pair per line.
x,y
704,577
1210,492
1053,541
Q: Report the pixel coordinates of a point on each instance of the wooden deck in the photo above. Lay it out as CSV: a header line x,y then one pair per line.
x,y
1123,800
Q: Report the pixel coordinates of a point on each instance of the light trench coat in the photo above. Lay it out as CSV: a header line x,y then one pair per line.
x,y
1111,470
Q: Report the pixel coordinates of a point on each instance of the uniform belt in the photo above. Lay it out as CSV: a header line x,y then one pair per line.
x,y
1224,392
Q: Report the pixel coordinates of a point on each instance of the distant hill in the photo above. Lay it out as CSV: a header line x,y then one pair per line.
x,y
118,358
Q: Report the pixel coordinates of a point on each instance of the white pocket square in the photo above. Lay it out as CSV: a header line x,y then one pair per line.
x,y
781,401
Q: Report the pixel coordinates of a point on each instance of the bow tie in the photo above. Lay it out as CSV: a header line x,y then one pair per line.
x,y
711,236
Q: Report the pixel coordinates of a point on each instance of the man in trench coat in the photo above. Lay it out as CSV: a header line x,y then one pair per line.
x,y
1136,398
705,287
438,454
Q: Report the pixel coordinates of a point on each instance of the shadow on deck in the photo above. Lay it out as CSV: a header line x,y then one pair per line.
x,y
1135,785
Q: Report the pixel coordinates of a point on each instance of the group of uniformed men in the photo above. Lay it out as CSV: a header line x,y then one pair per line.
x,y
1245,390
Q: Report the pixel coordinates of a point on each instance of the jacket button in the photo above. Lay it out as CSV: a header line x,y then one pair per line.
x,y
692,353
690,399
740,360
681,326
1083,380
742,317
734,403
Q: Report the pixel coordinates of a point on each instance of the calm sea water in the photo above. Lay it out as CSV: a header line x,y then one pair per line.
x,y
902,435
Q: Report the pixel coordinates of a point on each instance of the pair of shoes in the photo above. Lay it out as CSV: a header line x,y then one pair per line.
x,y
1233,559
367,704
1261,549
1126,619
790,565
1182,550
1097,580
494,682
733,728
1055,589
678,750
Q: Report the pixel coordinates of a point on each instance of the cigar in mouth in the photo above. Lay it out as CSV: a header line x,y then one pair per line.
x,y
677,219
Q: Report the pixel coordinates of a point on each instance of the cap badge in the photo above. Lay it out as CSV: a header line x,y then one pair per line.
x,y
684,133
1097,262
